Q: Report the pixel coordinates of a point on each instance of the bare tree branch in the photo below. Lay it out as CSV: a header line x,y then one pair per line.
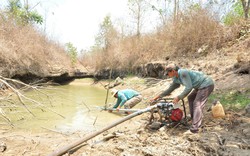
x,y
21,97
17,93
5,117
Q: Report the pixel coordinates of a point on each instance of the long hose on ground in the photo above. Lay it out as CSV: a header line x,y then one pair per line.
x,y
66,148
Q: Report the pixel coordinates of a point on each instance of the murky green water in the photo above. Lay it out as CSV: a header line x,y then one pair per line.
x,y
68,108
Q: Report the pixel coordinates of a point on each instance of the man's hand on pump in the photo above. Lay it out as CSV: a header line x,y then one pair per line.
x,y
176,100
154,99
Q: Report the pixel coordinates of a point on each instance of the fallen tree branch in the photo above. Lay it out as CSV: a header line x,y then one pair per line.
x,y
5,117
86,106
21,97
221,142
54,131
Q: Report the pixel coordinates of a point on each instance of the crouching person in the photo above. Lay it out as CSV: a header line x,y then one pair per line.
x,y
127,98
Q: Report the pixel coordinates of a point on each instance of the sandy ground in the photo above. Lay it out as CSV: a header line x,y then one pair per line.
x,y
227,136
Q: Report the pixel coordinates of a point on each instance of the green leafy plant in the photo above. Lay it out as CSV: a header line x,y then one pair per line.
x,y
106,33
72,52
235,14
232,99
23,14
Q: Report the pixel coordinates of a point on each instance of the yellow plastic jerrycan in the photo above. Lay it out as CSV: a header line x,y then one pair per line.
x,y
217,110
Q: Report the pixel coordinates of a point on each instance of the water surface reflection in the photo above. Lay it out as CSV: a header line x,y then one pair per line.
x,y
77,102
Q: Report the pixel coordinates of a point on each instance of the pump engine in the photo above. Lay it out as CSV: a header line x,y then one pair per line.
x,y
165,114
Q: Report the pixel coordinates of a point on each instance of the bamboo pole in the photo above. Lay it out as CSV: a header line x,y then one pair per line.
x,y
107,94
66,148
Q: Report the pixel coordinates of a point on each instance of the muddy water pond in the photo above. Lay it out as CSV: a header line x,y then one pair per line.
x,y
68,108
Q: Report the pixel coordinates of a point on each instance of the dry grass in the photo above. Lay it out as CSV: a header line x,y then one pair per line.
x,y
128,53
23,47
194,30
196,33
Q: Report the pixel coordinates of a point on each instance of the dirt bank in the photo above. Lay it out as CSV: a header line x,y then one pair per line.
x,y
227,136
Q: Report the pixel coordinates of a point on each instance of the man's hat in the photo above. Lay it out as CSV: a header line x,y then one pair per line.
x,y
113,92
171,67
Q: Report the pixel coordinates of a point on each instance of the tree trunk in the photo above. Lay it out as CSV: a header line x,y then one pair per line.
x,y
245,5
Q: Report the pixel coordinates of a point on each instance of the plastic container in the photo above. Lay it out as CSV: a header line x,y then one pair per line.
x,y
218,110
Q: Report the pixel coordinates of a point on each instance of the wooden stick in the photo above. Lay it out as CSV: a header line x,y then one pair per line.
x,y
5,117
54,131
21,97
106,100
219,138
85,105
95,120
107,93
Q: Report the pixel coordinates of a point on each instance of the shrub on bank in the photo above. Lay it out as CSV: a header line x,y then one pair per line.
x,y
195,33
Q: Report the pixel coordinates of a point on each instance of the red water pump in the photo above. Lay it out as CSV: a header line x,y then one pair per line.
x,y
167,114
176,115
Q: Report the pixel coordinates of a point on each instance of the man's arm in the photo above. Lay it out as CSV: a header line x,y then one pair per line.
x,y
123,100
170,89
117,103
186,80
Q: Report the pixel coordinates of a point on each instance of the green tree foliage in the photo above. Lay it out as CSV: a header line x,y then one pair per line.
x,y
106,34
72,52
195,7
236,13
23,14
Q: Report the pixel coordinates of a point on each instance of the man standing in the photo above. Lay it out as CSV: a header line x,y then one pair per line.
x,y
201,86
127,97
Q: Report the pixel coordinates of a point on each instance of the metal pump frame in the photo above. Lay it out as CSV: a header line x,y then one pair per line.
x,y
159,107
